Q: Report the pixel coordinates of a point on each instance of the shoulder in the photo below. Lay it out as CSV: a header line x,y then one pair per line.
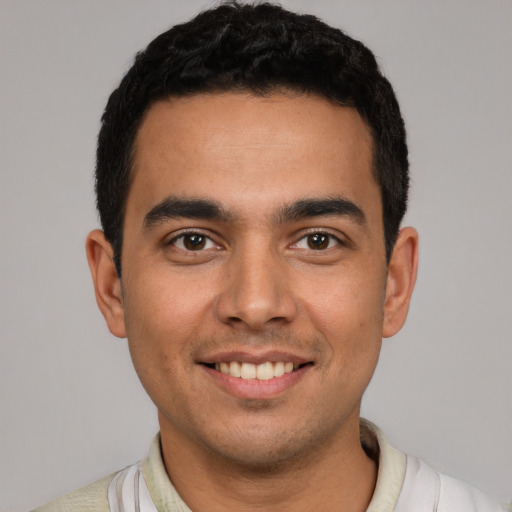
x,y
92,498
436,491
123,486
405,483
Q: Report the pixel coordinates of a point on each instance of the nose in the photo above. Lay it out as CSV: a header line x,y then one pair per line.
x,y
257,295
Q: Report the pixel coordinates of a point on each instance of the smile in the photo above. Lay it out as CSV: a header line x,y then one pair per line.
x,y
256,374
264,371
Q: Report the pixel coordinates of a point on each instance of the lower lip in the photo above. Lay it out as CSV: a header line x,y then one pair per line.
x,y
255,388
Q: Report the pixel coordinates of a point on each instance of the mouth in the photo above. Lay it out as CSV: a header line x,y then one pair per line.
x,y
263,371
256,374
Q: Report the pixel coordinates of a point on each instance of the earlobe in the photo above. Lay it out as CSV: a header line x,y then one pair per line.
x,y
402,270
107,285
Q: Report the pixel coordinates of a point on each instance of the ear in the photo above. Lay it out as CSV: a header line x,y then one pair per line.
x,y
107,285
402,270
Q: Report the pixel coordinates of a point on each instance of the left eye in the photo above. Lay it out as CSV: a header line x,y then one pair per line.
x,y
193,242
317,242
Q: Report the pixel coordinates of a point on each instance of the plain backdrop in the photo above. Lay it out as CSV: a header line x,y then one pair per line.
x,y
71,407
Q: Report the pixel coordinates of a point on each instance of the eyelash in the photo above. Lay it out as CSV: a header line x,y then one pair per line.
x,y
330,239
183,236
206,240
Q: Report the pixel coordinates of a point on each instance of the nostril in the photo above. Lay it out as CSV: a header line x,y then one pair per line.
x,y
255,305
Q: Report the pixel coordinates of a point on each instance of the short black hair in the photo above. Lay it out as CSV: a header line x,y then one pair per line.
x,y
263,49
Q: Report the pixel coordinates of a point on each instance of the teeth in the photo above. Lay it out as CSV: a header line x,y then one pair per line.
x,y
265,371
235,369
249,371
278,369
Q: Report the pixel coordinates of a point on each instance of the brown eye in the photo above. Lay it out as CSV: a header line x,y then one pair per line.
x,y
194,242
318,241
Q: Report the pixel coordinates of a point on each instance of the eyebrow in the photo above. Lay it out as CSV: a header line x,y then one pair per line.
x,y
176,207
309,208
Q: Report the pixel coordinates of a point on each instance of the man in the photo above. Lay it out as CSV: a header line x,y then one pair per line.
x,y
252,176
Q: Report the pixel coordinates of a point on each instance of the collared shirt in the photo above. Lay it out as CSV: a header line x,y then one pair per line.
x,y
404,484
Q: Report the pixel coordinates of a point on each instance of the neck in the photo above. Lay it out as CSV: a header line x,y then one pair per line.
x,y
337,475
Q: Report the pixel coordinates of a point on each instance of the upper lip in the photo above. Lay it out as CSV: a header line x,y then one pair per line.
x,y
244,356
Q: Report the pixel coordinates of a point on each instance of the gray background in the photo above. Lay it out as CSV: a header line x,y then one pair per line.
x,y
71,407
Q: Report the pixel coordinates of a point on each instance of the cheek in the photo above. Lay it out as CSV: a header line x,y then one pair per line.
x,y
346,304
348,313
161,320
158,325
158,305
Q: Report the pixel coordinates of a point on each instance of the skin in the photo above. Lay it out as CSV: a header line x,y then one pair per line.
x,y
257,285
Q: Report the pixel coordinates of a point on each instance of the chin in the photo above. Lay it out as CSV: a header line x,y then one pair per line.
x,y
268,450
262,458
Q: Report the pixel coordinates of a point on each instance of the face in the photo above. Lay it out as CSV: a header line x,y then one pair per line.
x,y
254,272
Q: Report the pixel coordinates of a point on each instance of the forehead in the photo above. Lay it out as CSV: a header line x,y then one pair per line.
x,y
244,149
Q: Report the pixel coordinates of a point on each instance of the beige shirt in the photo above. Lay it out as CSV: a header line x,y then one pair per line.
x,y
389,491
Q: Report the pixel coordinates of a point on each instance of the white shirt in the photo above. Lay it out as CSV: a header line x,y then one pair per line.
x,y
404,484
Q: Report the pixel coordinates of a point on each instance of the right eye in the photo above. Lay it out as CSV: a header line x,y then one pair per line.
x,y
193,242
